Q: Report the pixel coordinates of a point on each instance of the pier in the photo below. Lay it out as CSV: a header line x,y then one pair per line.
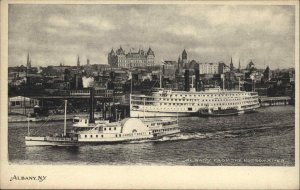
x,y
275,101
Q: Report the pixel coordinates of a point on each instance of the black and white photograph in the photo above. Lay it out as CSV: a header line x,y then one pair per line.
x,y
151,84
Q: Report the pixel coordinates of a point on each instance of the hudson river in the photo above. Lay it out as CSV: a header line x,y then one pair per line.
x,y
266,137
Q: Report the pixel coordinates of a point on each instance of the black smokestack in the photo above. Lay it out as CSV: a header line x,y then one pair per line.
x,y
187,80
92,105
197,79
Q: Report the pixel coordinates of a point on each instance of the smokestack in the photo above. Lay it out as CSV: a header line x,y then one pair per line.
x,y
92,105
197,79
187,80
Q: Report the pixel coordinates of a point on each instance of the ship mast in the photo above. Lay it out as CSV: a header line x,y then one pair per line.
x,y
28,131
160,81
144,108
65,121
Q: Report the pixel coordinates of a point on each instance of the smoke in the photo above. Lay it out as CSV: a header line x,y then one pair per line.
x,y
87,82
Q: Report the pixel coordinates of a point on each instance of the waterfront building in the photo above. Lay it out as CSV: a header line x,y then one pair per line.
x,y
19,104
131,59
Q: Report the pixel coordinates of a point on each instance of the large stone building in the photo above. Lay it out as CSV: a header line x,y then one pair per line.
x,y
131,59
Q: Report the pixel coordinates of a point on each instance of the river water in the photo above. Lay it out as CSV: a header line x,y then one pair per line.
x,y
263,138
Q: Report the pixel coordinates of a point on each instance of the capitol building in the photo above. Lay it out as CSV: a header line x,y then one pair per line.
x,y
131,59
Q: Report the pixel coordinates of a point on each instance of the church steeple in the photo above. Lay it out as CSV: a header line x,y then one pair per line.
x,y
184,57
239,69
78,61
28,64
231,65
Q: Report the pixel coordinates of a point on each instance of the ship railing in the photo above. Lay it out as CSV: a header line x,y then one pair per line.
x,y
60,138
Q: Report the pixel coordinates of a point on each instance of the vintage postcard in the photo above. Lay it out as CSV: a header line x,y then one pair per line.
x,y
150,94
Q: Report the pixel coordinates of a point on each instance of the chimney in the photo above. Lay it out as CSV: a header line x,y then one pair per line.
x,y
197,79
187,80
92,120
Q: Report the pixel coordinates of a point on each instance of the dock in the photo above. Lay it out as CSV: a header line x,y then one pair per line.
x,y
275,101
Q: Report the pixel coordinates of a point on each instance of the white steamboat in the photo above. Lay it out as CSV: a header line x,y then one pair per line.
x,y
167,103
85,132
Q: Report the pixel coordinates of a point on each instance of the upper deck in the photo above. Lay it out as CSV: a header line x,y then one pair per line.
x,y
170,93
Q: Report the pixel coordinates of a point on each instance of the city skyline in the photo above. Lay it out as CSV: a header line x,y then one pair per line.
x,y
54,34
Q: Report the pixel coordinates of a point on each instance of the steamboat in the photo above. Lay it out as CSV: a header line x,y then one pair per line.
x,y
87,131
168,103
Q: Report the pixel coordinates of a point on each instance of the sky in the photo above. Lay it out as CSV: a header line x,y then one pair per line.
x,y
54,34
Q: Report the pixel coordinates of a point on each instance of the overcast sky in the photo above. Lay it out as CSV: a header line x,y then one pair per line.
x,y
209,33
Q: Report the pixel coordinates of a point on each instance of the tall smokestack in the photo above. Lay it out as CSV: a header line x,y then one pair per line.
x,y
197,79
187,80
92,105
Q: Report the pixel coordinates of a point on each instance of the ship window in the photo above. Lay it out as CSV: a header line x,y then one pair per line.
x,y
116,135
85,136
190,109
109,128
119,135
115,128
96,136
104,129
91,136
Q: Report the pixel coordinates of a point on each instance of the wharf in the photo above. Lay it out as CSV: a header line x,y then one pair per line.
x,y
275,101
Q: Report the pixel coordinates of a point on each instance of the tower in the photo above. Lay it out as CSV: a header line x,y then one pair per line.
x,y
239,69
267,73
111,57
179,67
150,57
78,61
87,62
28,64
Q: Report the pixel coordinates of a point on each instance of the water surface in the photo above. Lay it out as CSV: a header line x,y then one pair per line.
x,y
263,138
